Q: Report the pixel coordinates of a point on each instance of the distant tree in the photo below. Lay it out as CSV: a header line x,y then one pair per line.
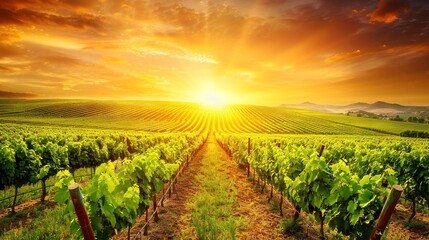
x,y
416,119
397,118
414,134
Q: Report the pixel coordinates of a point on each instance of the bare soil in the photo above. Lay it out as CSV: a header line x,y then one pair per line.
x,y
398,228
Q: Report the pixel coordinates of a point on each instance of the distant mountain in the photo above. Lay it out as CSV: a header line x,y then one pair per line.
x,y
380,108
5,94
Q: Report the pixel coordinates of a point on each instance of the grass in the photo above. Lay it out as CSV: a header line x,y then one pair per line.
x,y
292,227
50,223
42,220
33,191
274,204
212,207
415,224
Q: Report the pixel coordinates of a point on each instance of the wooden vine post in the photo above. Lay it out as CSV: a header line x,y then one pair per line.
x,y
163,195
271,194
169,189
155,209
322,147
147,223
82,216
129,145
248,155
281,193
386,213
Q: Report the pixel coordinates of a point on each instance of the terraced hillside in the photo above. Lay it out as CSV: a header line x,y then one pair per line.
x,y
159,116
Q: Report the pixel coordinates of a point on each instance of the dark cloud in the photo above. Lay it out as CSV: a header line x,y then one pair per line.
x,y
85,4
30,17
336,26
8,17
388,10
21,4
5,94
275,2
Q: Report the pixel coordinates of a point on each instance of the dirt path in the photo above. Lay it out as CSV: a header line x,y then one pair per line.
x,y
259,221
169,216
253,218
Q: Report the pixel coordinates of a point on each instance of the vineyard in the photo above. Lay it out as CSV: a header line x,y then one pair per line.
x,y
131,168
333,168
343,185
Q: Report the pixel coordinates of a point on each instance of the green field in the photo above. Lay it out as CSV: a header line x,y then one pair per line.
x,y
153,116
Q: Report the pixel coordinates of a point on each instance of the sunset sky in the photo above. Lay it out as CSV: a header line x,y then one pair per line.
x,y
264,52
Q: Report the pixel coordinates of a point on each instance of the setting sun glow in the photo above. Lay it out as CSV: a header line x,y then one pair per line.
x,y
212,98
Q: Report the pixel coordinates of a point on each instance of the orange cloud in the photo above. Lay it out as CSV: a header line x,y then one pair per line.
x,y
343,56
388,10
25,16
21,4
7,50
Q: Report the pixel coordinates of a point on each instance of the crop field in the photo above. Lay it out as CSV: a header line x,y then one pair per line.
x,y
184,117
125,154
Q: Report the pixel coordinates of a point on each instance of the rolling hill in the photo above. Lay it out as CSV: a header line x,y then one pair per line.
x,y
156,116
379,107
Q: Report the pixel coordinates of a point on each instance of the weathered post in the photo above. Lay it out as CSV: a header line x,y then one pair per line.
x,y
155,208
322,147
145,232
248,155
79,208
386,213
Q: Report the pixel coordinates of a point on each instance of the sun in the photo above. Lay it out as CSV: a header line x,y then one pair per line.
x,y
212,98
